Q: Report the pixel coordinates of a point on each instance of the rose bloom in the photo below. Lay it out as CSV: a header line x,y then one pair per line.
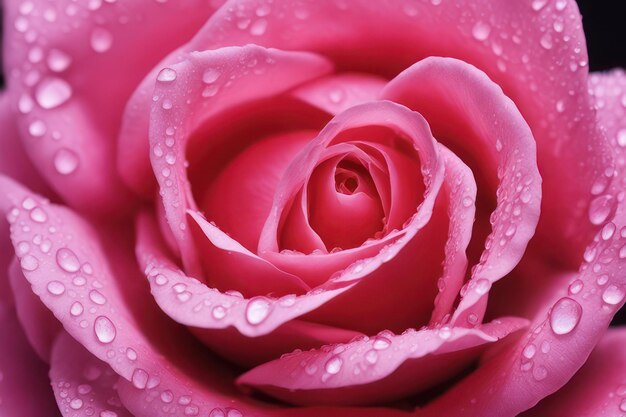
x,y
309,208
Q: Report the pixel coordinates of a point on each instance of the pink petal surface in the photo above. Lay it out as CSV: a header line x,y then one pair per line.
x,y
577,307
59,57
82,384
380,369
337,93
461,104
537,66
116,320
178,111
597,389
39,325
24,385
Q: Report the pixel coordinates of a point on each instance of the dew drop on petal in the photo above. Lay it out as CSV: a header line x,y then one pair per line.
x,y
613,295
600,209
381,343
101,40
565,316
481,31
29,263
38,215
76,309
65,161
333,366
56,287
139,378
257,310
166,75
210,76
104,329
58,60
67,260
97,298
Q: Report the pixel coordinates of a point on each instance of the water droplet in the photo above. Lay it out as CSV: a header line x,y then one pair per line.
x,y
58,60
101,40
84,389
540,373
613,295
622,405
545,346
381,343
76,404
565,316
481,31
97,298
333,366
29,263
139,378
482,286
65,161
546,41
37,128
608,230
38,215
621,138
602,279
210,76
67,260
257,310
76,309
104,329
108,413
600,209
538,4
167,396
218,312
259,27
166,75
371,356
529,351
56,287
575,287
131,354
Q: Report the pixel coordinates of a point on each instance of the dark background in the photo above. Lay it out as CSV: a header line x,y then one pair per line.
x,y
605,29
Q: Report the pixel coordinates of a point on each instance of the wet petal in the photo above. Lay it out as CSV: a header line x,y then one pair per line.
x,y
83,385
383,368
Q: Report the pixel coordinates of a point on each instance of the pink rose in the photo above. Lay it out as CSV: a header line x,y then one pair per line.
x,y
344,208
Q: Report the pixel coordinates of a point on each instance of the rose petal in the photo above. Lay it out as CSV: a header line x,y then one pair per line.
x,y
179,111
57,56
83,385
597,389
541,69
384,368
461,103
39,325
337,93
24,384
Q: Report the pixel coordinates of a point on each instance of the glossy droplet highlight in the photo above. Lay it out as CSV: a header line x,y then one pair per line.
x,y
257,310
65,161
481,31
333,366
76,309
104,329
67,260
56,287
565,316
139,378
58,60
166,75
52,92
613,295
101,40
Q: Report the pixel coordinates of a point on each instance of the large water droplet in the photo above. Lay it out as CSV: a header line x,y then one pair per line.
x,y
52,92
104,329
613,295
259,27
139,378
58,60
67,260
257,310
37,128
166,75
29,263
97,298
38,215
481,31
381,343
56,287
565,316
65,161
76,309
101,40
600,209
210,76
333,366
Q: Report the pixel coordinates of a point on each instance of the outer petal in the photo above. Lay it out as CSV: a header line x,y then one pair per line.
x,y
24,385
597,389
39,325
384,368
59,56
83,385
542,69
185,101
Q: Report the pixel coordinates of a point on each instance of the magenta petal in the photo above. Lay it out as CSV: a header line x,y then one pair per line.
x,y
80,49
24,384
185,99
83,385
452,93
383,368
337,93
39,325
597,389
